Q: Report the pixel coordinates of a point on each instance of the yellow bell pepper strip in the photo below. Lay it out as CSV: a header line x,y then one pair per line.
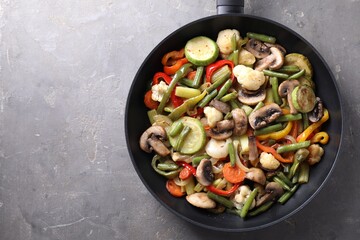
x,y
277,135
321,137
187,105
306,133
271,150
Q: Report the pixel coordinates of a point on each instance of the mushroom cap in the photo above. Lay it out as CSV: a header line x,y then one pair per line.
x,y
153,139
318,112
273,190
221,106
225,125
286,87
240,121
201,200
274,61
204,173
257,48
281,48
251,99
256,175
265,115
217,135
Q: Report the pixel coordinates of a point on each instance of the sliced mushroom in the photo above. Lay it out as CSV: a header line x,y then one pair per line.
x,y
256,175
281,48
273,190
153,139
204,173
221,106
257,48
318,112
201,200
215,134
251,99
285,89
225,125
274,61
240,121
265,115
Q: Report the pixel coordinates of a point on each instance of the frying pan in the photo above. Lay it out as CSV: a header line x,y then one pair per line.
x,y
136,121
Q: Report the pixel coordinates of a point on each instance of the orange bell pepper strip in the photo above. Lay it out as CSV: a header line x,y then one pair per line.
x,y
171,70
273,152
307,132
170,58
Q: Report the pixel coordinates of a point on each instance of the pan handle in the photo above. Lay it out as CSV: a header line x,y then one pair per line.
x,y
229,6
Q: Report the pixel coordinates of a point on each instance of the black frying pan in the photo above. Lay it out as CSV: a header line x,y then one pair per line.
x,y
136,120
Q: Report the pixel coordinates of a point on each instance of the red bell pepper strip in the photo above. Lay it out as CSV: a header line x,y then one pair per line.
x,y
210,69
149,102
171,70
175,100
221,192
161,76
188,166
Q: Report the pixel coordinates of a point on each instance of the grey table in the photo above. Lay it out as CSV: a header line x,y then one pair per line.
x,y
65,72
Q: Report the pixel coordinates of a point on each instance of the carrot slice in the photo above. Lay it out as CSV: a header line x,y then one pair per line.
x,y
174,189
185,174
233,174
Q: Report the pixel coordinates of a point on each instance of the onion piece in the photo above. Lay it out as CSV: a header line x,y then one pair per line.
x,y
290,138
180,182
238,162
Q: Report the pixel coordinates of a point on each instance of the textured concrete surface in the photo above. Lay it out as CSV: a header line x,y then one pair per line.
x,y
65,71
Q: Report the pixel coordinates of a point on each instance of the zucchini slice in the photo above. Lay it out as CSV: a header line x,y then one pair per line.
x,y
303,98
301,61
196,138
201,51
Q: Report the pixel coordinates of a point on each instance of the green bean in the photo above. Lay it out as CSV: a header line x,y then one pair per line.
x,y
298,74
229,96
228,116
275,74
258,106
196,160
234,104
169,174
207,98
198,77
288,194
268,129
176,78
223,90
231,151
187,82
247,109
293,146
287,181
182,137
282,183
274,82
151,113
300,156
261,209
289,69
305,118
188,104
221,74
234,57
215,85
289,117
304,172
261,37
166,166
222,200
176,129
248,203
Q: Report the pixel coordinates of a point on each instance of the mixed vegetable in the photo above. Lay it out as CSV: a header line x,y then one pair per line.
x,y
235,123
